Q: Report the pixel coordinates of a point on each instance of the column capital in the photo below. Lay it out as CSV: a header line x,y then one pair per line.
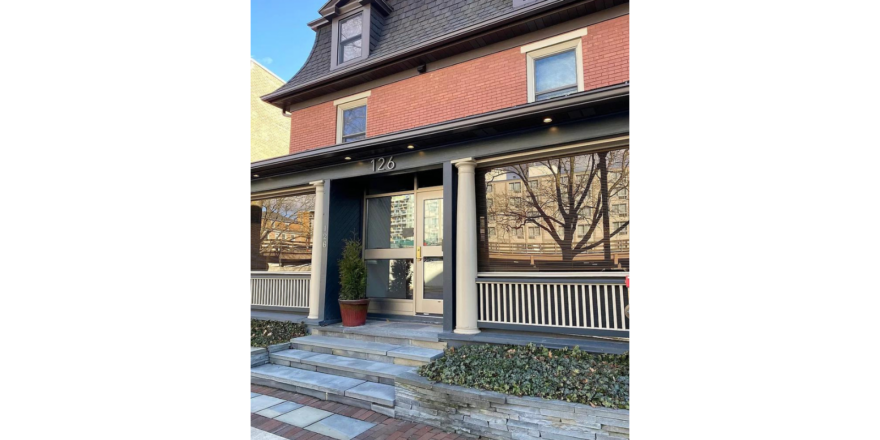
x,y
317,183
467,164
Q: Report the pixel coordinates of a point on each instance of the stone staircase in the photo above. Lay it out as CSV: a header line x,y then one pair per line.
x,y
350,368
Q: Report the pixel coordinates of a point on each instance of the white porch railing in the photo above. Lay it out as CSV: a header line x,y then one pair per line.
x,y
280,289
579,304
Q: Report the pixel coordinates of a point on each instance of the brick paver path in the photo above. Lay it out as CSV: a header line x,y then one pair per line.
x,y
386,428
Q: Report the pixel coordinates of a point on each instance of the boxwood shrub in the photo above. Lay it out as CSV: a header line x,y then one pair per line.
x,y
268,332
565,374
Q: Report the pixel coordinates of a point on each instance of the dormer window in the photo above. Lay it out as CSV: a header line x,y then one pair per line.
x,y
350,36
355,26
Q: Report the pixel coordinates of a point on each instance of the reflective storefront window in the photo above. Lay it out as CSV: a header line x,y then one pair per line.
x,y
561,214
281,233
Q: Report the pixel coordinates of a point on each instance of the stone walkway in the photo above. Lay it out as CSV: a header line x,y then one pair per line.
x,y
278,414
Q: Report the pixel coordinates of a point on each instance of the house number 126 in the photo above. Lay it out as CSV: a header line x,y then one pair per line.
x,y
382,164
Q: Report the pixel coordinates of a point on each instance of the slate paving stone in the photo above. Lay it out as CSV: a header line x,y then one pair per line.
x,y
304,416
340,427
259,434
262,402
277,410
253,394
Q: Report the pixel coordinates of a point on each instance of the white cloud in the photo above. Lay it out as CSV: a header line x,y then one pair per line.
x,y
266,61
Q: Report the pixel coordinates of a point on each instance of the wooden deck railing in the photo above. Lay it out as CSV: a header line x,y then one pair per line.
x,y
546,303
280,289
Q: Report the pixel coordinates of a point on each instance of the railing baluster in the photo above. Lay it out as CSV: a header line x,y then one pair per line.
x,y
504,302
614,304
605,300
557,305
590,294
577,305
569,300
541,306
482,306
528,295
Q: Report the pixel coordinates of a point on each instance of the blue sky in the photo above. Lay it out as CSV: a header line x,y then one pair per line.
x,y
280,39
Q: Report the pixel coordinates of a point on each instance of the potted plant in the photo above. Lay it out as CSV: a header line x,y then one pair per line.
x,y
353,301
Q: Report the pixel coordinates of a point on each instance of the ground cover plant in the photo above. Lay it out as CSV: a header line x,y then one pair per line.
x,y
565,374
267,332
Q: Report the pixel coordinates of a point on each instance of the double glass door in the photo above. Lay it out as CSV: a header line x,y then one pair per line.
x,y
404,253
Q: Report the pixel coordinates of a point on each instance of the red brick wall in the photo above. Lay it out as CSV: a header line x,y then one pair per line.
x,y
313,127
606,53
477,86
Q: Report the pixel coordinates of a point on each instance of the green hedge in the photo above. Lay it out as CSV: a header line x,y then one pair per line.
x,y
565,374
267,332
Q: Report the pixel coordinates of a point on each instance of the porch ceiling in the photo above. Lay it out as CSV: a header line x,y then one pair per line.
x,y
577,107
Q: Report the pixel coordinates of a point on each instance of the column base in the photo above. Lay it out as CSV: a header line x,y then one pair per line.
x,y
466,331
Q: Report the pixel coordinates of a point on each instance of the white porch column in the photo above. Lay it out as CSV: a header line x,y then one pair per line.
x,y
317,251
466,250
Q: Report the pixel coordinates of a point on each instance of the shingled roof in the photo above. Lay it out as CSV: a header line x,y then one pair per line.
x,y
409,23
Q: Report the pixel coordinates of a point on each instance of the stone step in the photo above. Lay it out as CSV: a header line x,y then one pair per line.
x,y
418,335
363,369
356,392
373,351
373,392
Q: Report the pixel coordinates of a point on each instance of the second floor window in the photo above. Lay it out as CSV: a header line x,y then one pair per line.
x,y
555,66
555,75
515,186
350,31
354,124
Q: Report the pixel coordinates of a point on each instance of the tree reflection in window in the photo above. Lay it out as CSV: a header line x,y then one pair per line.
x,y
568,199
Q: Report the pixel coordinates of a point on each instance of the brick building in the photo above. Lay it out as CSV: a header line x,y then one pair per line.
x,y
479,149
270,130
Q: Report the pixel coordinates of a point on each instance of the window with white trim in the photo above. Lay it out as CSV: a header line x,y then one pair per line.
x,y
351,119
555,66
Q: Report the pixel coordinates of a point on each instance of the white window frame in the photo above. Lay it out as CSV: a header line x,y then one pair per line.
x,y
551,46
349,103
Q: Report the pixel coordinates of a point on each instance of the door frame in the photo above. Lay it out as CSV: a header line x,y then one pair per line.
x,y
422,305
395,306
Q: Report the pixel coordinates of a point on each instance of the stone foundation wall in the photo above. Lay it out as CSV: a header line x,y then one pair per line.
x,y
478,413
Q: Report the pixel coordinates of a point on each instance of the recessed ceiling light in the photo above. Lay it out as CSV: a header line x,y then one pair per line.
x,y
347,158
547,120
410,146
256,175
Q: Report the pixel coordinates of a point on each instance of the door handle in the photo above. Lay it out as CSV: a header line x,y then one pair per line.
x,y
418,253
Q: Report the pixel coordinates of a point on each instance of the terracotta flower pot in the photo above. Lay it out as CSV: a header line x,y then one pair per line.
x,y
354,312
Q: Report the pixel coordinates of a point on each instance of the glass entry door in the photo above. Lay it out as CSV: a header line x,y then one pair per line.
x,y
429,252
403,237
